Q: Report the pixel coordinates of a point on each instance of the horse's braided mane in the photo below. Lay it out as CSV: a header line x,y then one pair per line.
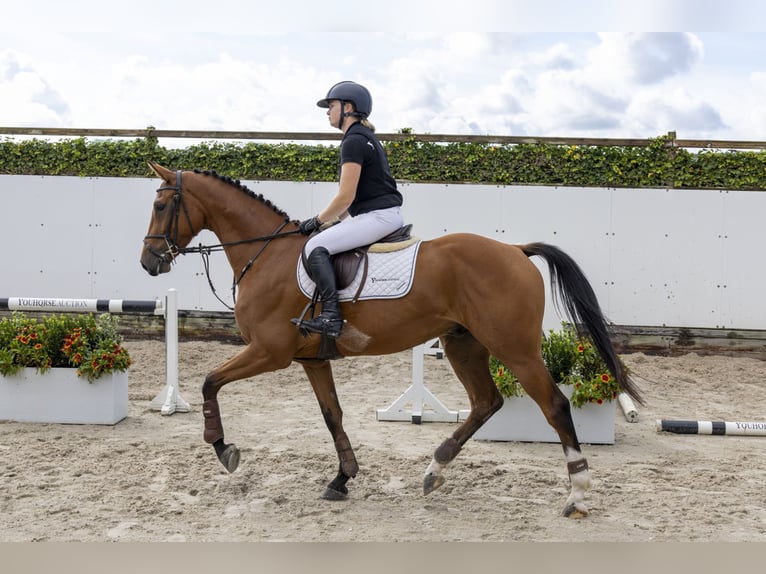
x,y
236,183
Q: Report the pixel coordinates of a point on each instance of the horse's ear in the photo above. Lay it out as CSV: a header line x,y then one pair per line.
x,y
160,171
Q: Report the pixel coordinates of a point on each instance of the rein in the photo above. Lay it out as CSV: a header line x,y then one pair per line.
x,y
206,250
171,239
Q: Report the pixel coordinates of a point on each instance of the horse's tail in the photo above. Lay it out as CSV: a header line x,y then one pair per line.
x,y
572,290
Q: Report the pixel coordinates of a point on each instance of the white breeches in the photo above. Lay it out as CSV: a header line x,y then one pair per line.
x,y
352,232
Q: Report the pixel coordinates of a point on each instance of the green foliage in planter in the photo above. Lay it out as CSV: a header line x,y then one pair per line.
x,y
570,361
89,343
658,164
506,381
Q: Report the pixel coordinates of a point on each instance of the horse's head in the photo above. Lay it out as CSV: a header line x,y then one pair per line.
x,y
172,225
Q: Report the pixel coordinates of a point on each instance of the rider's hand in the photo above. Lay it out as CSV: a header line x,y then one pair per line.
x,y
308,226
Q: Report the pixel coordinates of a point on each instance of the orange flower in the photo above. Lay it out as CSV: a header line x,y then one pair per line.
x,y
605,378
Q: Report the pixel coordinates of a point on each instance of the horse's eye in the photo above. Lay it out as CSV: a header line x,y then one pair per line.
x,y
159,207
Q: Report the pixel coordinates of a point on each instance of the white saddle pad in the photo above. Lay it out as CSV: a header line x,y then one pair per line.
x,y
389,275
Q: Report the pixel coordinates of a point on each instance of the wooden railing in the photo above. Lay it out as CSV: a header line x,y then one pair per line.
x,y
673,141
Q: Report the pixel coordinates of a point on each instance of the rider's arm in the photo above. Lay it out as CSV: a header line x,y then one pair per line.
x,y
349,179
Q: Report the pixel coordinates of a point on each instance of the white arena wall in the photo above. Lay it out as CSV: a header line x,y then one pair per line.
x,y
655,257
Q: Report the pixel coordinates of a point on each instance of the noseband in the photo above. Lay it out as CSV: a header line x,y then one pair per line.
x,y
171,233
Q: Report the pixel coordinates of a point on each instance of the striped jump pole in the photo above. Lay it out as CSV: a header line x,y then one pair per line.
x,y
748,428
168,400
60,305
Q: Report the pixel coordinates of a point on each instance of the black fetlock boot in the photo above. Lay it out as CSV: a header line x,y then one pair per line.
x,y
329,322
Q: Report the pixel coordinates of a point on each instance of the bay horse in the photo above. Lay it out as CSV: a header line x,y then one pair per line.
x,y
477,295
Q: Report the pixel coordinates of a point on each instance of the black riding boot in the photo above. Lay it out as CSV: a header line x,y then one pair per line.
x,y
329,322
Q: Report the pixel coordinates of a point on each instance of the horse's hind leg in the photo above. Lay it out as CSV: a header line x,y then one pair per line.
x,y
537,382
321,379
470,361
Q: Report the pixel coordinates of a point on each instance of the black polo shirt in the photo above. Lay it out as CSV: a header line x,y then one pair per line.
x,y
377,188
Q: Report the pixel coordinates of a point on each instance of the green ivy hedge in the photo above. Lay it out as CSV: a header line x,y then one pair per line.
x,y
655,165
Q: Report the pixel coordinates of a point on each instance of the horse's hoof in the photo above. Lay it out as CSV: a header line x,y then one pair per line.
x,y
230,458
576,510
431,482
332,494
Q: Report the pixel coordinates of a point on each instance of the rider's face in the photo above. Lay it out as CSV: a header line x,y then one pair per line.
x,y
333,113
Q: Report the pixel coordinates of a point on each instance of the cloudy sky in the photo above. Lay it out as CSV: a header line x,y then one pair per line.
x,y
258,66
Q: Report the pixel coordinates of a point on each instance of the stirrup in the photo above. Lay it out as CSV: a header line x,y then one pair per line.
x,y
325,327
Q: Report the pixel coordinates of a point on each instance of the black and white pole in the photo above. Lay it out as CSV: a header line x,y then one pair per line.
x,y
735,428
63,305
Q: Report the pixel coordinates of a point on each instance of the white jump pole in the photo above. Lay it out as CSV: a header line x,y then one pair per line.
x,y
628,408
417,396
712,427
168,401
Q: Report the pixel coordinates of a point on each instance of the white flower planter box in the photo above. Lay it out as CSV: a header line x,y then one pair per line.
x,y
520,419
60,396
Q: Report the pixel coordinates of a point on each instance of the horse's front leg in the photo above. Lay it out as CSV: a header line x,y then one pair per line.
x,y
321,379
249,362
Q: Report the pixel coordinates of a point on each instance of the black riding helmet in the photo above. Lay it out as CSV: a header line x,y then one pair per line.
x,y
352,92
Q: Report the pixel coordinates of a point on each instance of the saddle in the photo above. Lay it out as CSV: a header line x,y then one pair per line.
x,y
346,264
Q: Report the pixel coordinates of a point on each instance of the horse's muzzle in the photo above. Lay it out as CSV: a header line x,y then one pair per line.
x,y
155,264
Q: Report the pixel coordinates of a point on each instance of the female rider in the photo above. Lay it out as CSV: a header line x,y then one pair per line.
x,y
367,203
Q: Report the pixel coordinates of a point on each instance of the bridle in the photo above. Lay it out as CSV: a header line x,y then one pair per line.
x,y
171,233
173,250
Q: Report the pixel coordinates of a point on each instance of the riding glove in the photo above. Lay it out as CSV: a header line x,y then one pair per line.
x,y
308,226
